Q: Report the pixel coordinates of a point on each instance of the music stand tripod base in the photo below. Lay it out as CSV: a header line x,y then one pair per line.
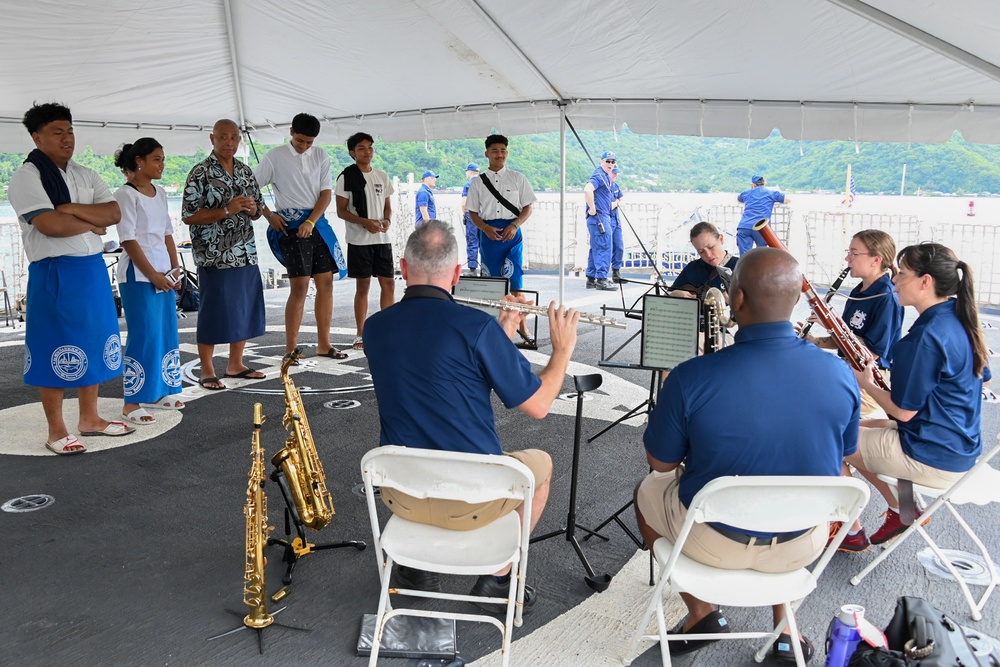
x,y
597,582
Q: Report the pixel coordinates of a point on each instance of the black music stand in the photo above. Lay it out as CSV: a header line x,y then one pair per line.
x,y
300,546
599,583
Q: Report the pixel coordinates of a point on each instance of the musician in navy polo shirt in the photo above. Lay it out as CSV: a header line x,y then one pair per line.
x,y
703,272
435,364
697,423
938,369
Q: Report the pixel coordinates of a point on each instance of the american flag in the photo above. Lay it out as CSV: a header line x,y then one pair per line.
x,y
851,189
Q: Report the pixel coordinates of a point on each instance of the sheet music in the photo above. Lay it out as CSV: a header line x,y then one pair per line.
x,y
477,287
669,331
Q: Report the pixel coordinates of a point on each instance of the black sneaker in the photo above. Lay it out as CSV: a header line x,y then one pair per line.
x,y
615,276
782,649
606,285
417,580
488,586
591,283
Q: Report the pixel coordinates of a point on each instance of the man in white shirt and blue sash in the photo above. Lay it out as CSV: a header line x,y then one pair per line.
x,y
72,337
499,202
300,235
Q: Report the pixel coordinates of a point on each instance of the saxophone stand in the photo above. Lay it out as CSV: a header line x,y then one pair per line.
x,y
268,622
300,546
599,583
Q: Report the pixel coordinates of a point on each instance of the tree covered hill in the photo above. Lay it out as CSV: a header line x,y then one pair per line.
x,y
663,164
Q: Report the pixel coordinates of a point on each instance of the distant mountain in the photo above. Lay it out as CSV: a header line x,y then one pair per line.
x,y
665,164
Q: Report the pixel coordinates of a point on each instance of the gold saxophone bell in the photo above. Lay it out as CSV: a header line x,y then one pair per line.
x,y
299,461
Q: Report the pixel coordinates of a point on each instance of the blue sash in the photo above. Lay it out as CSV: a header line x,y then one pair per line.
x,y
72,337
295,217
502,258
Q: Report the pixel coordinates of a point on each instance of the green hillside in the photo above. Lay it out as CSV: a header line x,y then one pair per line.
x,y
667,164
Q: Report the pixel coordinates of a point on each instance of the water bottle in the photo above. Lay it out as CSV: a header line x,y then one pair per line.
x,y
843,637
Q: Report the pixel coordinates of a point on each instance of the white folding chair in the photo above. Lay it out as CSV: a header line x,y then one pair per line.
x,y
473,478
980,486
759,504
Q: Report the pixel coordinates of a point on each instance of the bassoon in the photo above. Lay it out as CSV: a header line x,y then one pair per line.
x,y
830,293
854,351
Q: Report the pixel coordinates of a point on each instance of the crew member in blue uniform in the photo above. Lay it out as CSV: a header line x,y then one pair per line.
x,y
617,245
425,209
441,397
696,422
597,193
471,231
938,368
703,272
758,204
872,311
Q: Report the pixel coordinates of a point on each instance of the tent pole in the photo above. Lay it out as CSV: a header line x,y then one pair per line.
x,y
562,203
236,67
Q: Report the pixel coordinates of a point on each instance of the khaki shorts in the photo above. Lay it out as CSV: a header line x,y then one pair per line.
x,y
661,507
868,404
459,515
882,453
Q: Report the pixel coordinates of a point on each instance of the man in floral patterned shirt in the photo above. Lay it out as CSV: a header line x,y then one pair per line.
x,y
221,200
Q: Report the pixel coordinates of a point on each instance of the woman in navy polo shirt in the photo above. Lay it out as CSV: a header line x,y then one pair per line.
x,y
872,312
938,370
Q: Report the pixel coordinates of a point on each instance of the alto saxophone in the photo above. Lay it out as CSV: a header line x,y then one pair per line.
x,y
716,320
254,588
299,461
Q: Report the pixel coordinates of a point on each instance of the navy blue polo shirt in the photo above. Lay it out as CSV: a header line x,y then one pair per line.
x,y
434,364
699,273
602,193
758,204
795,412
425,197
932,373
877,318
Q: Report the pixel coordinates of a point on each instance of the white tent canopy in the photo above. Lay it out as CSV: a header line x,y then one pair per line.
x,y
885,70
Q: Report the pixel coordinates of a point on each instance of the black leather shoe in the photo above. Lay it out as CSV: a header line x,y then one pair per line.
x,y
782,648
418,580
591,283
488,586
606,285
615,276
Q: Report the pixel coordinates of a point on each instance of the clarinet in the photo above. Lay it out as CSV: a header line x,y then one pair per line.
x,y
857,355
828,298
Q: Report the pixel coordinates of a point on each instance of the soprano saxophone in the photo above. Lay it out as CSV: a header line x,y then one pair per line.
x,y
299,461
254,588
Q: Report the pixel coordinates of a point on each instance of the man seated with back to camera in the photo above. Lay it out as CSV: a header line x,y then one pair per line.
x,y
439,396
702,273
695,422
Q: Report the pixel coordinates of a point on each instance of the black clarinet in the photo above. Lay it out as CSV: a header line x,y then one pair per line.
x,y
828,297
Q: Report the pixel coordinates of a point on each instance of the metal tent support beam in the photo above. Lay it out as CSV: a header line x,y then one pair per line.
x,y
925,39
562,204
231,36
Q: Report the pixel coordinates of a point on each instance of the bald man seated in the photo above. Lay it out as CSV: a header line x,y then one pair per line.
x,y
798,415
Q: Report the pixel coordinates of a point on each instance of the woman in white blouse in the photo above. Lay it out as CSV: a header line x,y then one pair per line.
x,y
148,275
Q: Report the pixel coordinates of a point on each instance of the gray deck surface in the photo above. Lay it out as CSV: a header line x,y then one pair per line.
x,y
141,555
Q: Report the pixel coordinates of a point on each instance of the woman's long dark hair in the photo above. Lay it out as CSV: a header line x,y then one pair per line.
x,y
952,277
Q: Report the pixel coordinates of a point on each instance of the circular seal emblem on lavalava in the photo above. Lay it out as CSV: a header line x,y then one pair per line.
x,y
69,362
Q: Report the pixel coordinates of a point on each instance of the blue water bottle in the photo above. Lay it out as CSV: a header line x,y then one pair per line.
x,y
843,637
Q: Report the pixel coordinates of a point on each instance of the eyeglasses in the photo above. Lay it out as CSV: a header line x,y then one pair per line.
x,y
854,253
611,161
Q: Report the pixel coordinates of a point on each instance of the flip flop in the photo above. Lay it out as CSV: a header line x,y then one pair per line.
x,y
246,374
204,382
114,429
138,416
60,446
332,353
359,343
165,403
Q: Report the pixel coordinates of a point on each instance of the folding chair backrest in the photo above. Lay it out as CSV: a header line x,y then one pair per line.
x,y
427,473
776,504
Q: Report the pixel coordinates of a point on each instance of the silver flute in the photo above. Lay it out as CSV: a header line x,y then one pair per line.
x,y
599,320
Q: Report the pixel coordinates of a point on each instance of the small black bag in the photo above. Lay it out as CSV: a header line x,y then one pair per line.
x,y
188,296
920,635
